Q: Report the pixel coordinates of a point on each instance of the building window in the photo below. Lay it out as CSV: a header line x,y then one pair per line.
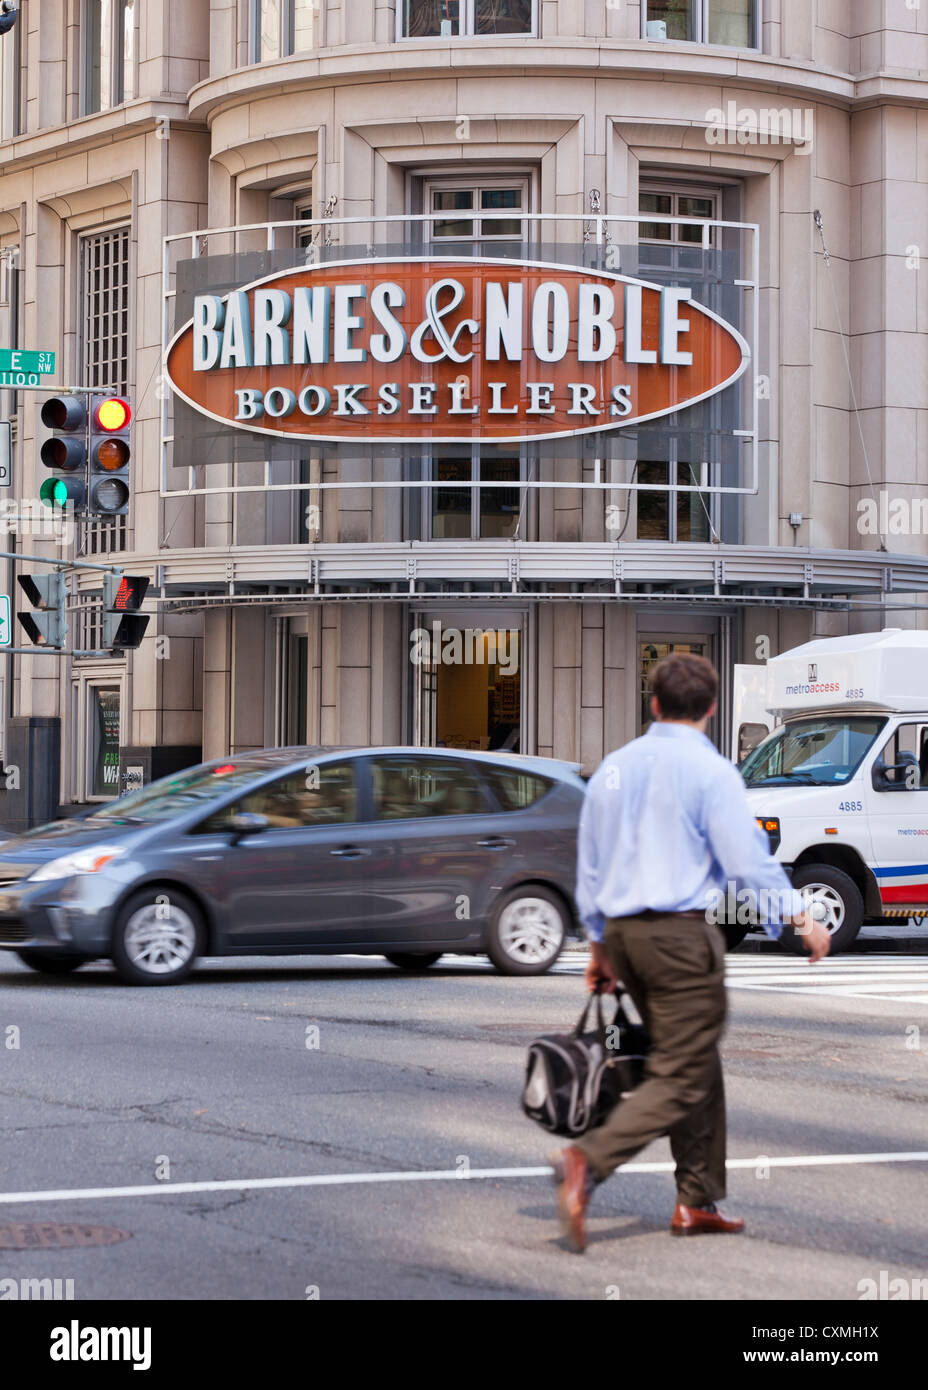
x,y
278,28
667,202
303,212
451,19
734,23
462,510
460,207
109,54
104,342
88,616
669,514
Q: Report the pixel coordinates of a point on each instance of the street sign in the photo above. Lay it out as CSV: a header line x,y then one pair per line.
x,y
6,453
14,360
6,633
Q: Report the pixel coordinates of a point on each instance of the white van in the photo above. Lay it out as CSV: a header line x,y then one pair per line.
x,y
840,781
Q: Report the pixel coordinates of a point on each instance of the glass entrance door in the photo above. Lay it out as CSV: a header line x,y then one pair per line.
x,y
653,650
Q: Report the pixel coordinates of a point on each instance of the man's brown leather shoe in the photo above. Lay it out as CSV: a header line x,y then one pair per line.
x,y
702,1221
575,1182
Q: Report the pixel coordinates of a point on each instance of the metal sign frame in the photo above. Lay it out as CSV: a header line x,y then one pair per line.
x,y
595,227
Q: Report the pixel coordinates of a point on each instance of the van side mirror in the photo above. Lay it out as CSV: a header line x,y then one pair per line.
x,y
903,776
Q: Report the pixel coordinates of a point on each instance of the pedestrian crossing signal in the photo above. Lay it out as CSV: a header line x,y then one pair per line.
x,y
47,593
123,626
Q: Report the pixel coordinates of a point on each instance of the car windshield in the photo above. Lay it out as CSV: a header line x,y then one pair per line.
x,y
172,796
812,752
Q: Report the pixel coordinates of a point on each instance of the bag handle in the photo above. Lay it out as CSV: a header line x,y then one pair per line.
x,y
618,994
600,1021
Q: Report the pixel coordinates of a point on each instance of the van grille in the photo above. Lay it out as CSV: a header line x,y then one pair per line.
x,y
13,929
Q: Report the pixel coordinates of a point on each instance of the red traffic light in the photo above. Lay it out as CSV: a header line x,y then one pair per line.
x,y
112,413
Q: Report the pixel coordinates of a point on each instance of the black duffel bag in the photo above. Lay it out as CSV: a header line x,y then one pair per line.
x,y
573,1080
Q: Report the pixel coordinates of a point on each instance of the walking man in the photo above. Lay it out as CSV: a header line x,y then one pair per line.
x,y
666,832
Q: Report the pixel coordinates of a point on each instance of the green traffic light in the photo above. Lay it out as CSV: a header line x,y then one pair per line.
x,y
54,492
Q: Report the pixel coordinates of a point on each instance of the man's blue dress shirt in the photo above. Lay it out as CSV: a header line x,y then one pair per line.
x,y
666,826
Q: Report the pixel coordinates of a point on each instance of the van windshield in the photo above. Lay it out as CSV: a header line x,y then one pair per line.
x,y
812,752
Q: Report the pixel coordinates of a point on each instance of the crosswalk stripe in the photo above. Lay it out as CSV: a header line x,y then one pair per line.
x,y
898,981
876,977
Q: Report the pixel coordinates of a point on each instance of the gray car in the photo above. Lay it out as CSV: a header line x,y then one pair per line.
x,y
398,852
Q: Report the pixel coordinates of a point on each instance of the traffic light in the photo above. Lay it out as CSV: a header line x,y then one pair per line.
x,y
65,451
47,593
110,452
123,625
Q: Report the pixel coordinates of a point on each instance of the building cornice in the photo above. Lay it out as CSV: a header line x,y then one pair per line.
x,y
631,60
92,132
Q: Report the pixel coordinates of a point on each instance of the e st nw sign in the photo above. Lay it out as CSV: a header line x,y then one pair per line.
x,y
444,350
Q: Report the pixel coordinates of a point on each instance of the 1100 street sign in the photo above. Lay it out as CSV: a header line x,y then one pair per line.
x,y
6,632
24,367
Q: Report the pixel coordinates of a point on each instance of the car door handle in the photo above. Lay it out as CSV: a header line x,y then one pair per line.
x,y
495,842
348,852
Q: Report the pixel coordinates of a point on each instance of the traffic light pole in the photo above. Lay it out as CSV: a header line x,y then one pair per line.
x,y
61,565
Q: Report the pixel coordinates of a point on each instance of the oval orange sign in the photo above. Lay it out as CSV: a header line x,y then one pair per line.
x,y
449,351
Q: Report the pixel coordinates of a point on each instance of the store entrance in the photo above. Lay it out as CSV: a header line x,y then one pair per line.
x,y
468,681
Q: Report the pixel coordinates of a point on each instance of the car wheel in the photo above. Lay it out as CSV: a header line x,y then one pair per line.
x,y
835,900
527,930
408,960
50,964
157,937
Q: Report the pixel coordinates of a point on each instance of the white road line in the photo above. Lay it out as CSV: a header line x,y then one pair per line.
x,y
836,978
838,992
84,1194
796,967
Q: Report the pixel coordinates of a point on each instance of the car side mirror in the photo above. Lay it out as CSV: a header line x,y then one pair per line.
x,y
247,823
903,776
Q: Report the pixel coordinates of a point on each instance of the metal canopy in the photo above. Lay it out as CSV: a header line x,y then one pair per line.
x,y
553,570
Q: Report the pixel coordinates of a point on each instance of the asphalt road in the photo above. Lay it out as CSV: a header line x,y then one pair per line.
x,y
110,1085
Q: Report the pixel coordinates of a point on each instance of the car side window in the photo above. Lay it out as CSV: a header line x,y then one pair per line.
x,y
325,794
516,790
415,788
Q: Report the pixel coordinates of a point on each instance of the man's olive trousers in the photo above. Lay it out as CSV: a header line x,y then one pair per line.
x,y
674,969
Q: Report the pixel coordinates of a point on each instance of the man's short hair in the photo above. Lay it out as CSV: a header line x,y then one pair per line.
x,y
686,686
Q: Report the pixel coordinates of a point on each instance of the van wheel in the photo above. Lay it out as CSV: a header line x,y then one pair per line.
x,y
157,937
836,900
408,960
527,930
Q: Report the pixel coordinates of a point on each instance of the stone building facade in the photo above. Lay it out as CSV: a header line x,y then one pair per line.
x,y
287,615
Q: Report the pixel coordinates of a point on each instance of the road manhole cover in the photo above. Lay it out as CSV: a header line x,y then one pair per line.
x,y
56,1235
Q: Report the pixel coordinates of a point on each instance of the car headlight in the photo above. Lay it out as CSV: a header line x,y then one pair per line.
x,y
83,861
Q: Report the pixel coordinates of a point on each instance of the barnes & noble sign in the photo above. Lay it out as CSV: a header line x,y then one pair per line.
x,y
437,350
